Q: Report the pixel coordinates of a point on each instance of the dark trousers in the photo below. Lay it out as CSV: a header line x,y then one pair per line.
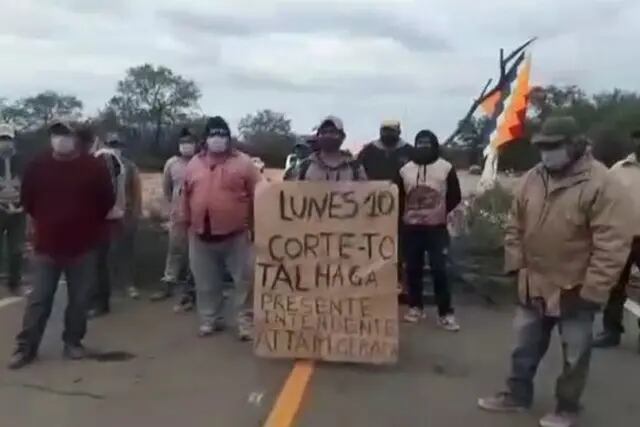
x,y
12,227
46,275
114,262
533,334
614,311
435,242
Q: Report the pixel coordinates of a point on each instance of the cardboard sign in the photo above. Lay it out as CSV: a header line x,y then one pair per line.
x,y
325,276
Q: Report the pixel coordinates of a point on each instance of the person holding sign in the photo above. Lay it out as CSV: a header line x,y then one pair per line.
x,y
432,191
567,243
329,163
219,186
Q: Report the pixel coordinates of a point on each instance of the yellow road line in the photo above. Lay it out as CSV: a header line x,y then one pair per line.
x,y
286,408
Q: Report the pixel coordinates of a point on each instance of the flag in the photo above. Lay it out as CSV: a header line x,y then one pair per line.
x,y
506,107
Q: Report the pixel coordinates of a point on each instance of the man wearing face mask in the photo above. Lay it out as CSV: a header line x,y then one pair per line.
x,y
67,193
566,241
432,192
116,255
329,163
627,172
382,160
177,263
12,218
219,185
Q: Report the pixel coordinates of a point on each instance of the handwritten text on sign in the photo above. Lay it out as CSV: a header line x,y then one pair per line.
x,y
325,278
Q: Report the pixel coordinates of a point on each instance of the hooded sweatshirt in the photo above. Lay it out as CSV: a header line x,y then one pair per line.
x,y
432,190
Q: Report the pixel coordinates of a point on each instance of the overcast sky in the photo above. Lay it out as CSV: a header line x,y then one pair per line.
x,y
421,62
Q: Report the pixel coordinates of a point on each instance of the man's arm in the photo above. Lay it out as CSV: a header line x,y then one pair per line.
x,y
454,193
167,182
136,192
611,241
104,194
187,190
513,254
27,190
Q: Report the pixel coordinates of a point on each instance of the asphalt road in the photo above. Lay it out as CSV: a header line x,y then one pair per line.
x,y
177,379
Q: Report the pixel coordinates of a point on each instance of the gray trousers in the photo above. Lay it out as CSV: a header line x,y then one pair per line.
x,y
210,261
533,331
177,264
46,275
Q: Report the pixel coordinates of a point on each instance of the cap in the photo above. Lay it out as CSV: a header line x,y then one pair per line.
x,y
390,124
332,120
7,131
556,129
60,123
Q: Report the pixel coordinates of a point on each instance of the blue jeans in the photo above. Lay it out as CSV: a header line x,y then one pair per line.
x,y
46,275
533,331
210,262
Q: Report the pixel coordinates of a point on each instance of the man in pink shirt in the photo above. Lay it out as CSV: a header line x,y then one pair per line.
x,y
218,193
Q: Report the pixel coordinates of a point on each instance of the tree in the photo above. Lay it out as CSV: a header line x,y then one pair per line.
x,y
267,134
39,110
154,96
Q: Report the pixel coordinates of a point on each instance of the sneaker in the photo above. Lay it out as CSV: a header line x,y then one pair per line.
x,y
163,294
449,323
20,359
133,292
607,339
559,419
98,312
208,329
414,315
185,304
245,333
74,352
502,402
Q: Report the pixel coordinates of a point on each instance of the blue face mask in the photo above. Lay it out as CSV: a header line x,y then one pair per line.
x,y
555,159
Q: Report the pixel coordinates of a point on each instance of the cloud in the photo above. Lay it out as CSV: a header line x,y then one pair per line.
x,y
421,61
356,20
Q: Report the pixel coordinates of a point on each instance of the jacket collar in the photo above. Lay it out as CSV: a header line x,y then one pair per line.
x,y
579,172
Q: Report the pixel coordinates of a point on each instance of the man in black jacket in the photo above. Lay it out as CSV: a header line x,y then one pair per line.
x,y
382,160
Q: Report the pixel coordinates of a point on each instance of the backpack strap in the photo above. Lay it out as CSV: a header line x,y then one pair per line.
x,y
355,170
303,168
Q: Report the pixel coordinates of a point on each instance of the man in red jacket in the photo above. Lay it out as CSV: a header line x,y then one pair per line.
x,y
67,193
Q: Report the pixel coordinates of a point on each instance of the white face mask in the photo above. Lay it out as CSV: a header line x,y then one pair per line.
x,y
187,150
556,159
63,144
217,144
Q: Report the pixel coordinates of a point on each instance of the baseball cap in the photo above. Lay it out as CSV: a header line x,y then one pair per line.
x,y
556,129
332,120
390,124
7,131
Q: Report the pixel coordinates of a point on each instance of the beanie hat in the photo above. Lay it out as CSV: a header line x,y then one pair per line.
x,y
217,126
427,134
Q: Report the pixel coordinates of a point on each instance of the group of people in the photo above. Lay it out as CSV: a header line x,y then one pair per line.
x,y
569,241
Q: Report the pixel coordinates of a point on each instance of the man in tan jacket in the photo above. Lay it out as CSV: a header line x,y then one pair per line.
x,y
628,172
566,242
